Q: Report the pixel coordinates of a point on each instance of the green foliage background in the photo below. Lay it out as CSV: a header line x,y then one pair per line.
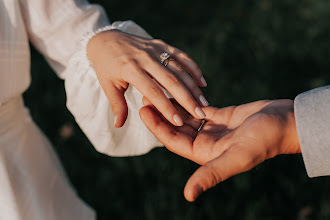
x,y
248,50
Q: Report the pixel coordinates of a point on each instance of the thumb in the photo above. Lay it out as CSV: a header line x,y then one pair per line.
x,y
231,162
118,104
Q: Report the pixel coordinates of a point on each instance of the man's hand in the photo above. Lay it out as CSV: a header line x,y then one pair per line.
x,y
233,140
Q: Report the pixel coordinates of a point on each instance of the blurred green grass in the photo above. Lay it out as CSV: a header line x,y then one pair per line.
x,y
248,50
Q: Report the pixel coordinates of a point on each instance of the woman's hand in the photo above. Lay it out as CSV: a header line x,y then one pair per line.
x,y
233,140
120,59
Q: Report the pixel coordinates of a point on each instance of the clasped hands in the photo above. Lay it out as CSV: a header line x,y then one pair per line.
x,y
233,140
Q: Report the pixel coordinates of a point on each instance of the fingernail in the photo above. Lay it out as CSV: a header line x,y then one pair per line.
x,y
200,112
203,100
203,81
115,120
198,191
178,120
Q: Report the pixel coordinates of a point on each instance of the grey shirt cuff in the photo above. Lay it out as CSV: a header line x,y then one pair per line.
x,y
312,114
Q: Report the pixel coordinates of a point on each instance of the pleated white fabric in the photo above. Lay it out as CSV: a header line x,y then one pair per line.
x,y
32,182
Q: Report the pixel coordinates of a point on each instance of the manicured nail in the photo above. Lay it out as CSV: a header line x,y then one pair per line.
x,y
178,120
200,112
198,191
203,81
203,100
115,120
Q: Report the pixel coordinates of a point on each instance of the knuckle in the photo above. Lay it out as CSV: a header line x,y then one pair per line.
x,y
173,133
134,66
145,100
149,45
214,176
116,105
191,84
184,55
178,68
173,80
157,124
127,62
142,51
156,92
129,70
159,41
196,67
176,51
124,61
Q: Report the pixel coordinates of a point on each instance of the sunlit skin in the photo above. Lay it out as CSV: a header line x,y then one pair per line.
x,y
233,140
120,59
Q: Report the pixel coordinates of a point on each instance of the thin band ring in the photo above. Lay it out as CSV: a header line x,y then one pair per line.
x,y
201,125
167,61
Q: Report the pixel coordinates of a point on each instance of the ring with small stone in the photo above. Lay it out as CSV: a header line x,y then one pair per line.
x,y
164,56
201,125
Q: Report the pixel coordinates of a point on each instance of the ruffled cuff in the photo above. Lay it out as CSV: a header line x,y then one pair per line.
x,y
92,111
124,26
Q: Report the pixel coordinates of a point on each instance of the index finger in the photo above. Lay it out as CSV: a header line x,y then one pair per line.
x,y
187,118
166,133
153,92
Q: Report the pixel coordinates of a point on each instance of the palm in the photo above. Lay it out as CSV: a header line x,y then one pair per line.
x,y
251,128
233,140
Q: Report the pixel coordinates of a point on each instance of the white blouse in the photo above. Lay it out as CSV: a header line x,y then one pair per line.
x,y
56,28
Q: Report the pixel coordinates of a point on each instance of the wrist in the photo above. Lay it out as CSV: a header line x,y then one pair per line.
x,y
91,40
290,143
98,43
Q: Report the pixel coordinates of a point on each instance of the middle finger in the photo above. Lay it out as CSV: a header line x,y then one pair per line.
x,y
173,84
188,81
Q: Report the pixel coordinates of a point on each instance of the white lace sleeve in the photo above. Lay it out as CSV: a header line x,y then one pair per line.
x,y
91,109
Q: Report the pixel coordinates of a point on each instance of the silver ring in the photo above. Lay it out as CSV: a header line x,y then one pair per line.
x,y
164,56
167,61
201,125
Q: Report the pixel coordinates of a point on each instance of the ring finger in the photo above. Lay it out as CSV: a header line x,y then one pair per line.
x,y
173,84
